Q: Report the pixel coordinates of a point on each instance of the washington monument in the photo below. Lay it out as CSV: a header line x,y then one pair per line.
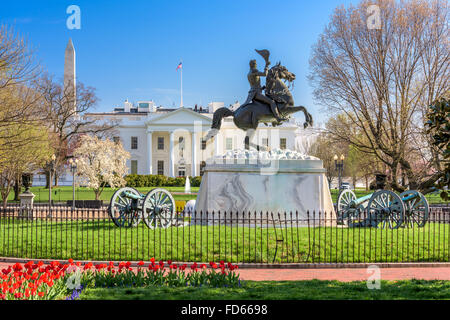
x,y
70,74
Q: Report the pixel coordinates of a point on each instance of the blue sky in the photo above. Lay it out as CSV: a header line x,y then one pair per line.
x,y
130,49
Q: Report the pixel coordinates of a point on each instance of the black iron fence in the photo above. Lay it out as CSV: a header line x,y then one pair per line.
x,y
241,237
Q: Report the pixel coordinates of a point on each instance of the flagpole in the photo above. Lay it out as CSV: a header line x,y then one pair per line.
x,y
181,101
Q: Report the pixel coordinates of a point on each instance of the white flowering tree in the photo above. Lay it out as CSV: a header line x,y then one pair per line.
x,y
100,163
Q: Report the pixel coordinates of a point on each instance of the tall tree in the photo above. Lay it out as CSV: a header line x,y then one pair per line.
x,y
32,151
17,63
65,113
19,101
382,79
438,128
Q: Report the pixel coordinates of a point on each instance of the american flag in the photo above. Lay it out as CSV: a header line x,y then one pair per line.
x,y
179,66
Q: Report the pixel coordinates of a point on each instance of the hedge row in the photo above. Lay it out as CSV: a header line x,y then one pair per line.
x,y
150,180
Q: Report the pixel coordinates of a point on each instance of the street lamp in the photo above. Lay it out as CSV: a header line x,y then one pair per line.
x,y
51,167
73,168
339,168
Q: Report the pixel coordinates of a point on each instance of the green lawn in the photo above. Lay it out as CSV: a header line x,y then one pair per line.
x,y
62,194
97,239
283,290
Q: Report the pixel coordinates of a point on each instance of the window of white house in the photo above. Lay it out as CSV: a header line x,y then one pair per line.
x,y
134,142
282,143
203,142
133,166
116,139
160,143
229,143
265,142
160,167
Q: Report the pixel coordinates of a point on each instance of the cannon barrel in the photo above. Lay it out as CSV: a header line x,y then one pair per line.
x,y
133,196
410,197
359,201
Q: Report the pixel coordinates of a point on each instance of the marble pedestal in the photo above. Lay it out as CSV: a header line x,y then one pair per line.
x,y
249,187
26,205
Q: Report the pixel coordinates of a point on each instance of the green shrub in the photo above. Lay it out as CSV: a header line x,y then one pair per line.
x,y
140,181
195,181
131,180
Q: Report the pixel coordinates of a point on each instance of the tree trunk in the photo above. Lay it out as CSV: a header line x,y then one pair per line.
x,y
47,179
56,179
17,189
403,179
367,183
5,194
393,178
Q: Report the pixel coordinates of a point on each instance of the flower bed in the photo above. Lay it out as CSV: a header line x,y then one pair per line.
x,y
36,281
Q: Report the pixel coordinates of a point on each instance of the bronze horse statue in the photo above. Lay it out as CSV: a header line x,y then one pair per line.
x,y
249,116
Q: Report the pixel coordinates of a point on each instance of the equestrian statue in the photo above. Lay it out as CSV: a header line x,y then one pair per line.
x,y
275,106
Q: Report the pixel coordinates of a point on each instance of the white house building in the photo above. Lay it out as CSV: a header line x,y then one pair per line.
x,y
170,141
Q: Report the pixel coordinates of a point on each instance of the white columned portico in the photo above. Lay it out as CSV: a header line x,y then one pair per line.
x,y
171,156
217,144
149,151
194,154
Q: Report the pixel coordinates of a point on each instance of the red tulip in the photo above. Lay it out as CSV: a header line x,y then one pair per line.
x,y
17,267
88,266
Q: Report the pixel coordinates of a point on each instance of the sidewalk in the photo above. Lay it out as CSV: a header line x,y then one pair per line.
x,y
344,275
340,274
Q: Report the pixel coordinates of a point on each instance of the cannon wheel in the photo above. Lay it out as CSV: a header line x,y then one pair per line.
x,y
158,208
124,211
386,208
343,206
416,209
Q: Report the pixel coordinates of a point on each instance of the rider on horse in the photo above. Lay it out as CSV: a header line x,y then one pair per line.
x,y
255,93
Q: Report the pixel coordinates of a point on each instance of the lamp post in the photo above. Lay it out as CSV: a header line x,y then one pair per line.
x,y
51,167
73,168
339,168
